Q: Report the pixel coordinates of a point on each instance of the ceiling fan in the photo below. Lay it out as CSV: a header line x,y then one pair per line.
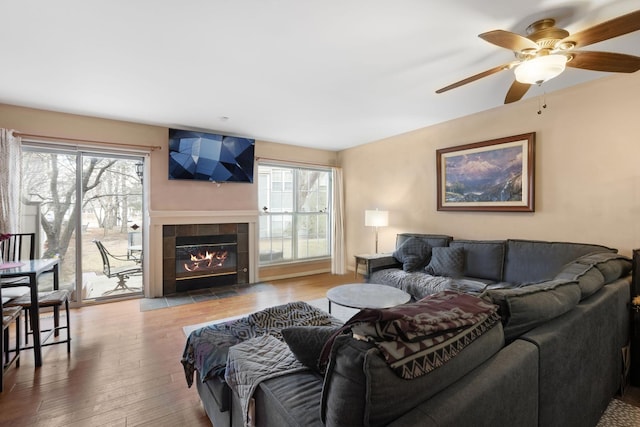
x,y
546,50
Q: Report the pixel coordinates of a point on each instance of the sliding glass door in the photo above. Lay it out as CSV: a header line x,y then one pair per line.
x,y
111,227
109,188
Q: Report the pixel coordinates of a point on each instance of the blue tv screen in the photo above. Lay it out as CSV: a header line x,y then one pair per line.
x,y
210,157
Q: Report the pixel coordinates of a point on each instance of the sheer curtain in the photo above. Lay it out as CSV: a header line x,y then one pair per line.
x,y
10,181
338,265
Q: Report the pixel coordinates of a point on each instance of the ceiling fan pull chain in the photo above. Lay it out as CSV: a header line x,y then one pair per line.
x,y
544,101
539,109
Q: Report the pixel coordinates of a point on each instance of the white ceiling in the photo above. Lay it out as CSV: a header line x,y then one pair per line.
x,y
328,74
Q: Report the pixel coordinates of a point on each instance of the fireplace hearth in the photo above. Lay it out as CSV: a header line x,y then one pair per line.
x,y
199,256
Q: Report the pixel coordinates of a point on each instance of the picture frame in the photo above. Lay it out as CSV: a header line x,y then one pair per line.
x,y
495,176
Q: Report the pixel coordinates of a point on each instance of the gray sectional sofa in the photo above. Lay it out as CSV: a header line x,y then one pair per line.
x,y
555,359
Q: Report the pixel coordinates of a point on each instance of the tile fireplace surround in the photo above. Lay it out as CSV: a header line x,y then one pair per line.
x,y
203,220
235,235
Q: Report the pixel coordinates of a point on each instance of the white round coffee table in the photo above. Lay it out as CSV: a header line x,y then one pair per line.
x,y
366,295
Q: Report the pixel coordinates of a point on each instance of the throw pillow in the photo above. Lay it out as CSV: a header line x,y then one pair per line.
x,y
413,253
446,261
306,342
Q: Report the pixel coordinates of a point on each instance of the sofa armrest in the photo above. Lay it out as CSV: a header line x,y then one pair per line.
x,y
507,380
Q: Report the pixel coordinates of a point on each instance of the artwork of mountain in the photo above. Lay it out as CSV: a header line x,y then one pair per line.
x,y
486,176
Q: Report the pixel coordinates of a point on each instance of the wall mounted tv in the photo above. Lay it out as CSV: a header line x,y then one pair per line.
x,y
210,157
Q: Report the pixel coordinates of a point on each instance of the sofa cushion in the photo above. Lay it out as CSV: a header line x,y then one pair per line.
x,y
531,261
447,262
593,271
588,278
611,265
306,342
483,259
526,307
413,253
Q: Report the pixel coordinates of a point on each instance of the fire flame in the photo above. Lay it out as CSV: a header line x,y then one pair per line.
x,y
208,260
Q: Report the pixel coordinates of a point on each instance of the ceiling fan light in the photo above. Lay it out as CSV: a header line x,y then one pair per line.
x,y
539,70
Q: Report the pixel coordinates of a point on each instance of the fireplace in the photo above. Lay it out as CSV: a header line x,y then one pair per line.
x,y
199,256
205,256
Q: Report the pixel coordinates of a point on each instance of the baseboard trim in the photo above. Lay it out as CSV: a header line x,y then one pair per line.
x,y
294,275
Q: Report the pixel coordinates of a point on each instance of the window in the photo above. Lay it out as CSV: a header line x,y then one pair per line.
x,y
296,213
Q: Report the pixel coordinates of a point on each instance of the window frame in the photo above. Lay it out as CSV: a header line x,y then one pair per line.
x,y
291,208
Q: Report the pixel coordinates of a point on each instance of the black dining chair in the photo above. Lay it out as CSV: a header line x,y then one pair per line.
x,y
9,356
18,246
22,246
53,299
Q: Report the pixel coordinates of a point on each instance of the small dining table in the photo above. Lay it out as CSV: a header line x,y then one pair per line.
x,y
33,269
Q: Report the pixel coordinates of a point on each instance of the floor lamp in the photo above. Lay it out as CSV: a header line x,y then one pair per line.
x,y
376,219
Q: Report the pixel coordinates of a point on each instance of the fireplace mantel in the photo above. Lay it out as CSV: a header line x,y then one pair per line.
x,y
157,219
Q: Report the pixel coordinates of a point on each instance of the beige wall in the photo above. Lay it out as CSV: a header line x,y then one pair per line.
x,y
163,195
587,172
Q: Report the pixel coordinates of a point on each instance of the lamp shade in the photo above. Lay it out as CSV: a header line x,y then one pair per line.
x,y
376,218
539,70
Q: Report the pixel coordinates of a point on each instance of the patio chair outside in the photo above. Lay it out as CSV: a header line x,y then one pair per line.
x,y
122,273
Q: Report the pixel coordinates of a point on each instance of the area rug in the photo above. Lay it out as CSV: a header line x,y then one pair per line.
x,y
620,414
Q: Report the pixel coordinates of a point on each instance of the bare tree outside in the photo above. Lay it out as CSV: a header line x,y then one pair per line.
x,y
106,183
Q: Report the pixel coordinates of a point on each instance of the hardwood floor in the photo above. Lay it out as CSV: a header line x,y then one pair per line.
x,y
124,368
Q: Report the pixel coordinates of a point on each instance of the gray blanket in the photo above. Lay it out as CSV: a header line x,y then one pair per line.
x,y
253,361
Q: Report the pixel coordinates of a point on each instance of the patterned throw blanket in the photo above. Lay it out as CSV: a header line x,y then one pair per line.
x,y
207,348
419,337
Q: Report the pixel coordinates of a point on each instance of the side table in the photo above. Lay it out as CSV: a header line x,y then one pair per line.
x,y
365,259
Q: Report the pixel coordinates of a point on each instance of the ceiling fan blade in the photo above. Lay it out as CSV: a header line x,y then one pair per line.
x,y
607,30
474,77
605,61
508,40
516,92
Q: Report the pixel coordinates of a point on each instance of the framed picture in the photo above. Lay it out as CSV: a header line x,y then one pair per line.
x,y
496,175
